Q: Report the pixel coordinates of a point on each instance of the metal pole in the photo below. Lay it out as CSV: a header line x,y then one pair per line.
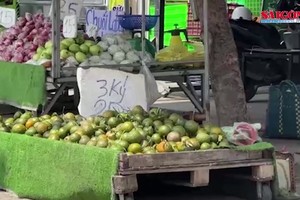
x,y
127,7
157,26
162,24
206,69
143,27
55,72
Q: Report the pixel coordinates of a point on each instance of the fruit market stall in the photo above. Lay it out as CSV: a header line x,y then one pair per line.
x,y
62,48
55,156
114,51
99,153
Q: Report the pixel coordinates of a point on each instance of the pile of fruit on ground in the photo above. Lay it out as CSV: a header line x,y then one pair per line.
x,y
135,132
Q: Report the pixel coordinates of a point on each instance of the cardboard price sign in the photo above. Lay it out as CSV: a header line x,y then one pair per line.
x,y
70,26
7,17
107,89
71,7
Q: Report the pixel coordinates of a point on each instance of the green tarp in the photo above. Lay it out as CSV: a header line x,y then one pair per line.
x,y
22,85
41,169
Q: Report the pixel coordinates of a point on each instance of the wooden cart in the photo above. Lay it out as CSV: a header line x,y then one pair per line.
x,y
198,164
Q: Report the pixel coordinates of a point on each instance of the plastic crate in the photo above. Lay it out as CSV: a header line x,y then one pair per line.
x,y
255,6
193,27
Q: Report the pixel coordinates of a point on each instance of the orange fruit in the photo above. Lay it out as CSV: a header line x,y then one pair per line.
x,y
137,110
127,126
41,127
164,130
156,138
164,146
18,128
30,122
191,127
135,148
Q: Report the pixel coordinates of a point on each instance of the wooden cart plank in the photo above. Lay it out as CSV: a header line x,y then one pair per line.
x,y
184,158
125,184
211,165
200,178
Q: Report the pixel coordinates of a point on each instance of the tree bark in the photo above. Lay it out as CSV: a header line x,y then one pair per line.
x,y
225,75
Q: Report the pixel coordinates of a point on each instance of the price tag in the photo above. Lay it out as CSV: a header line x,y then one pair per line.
x,y
107,89
92,30
71,7
107,22
7,17
70,26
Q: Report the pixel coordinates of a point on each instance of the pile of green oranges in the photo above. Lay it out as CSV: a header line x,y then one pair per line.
x,y
135,132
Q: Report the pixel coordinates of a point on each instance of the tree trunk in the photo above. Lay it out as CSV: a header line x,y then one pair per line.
x,y
227,85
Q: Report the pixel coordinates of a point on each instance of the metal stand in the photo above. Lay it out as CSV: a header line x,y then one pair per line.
x,y
58,93
179,77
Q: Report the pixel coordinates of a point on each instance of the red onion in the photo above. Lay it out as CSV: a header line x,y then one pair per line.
x,y
19,58
7,42
30,37
41,29
26,29
11,37
38,25
30,23
28,16
20,22
45,32
27,45
20,42
33,47
26,58
31,54
25,40
34,31
13,31
7,56
38,41
19,49
22,35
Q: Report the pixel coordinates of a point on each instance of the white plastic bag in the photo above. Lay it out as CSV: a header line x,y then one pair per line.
x,y
242,133
151,86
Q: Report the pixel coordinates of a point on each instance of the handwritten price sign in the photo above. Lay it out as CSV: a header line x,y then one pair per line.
x,y
69,7
70,26
7,17
106,89
107,22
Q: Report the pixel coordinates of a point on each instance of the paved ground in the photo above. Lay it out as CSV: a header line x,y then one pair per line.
x,y
257,112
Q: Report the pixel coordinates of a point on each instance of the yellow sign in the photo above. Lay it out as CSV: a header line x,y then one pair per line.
x,y
115,3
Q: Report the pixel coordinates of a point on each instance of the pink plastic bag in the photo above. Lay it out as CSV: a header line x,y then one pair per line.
x,y
244,134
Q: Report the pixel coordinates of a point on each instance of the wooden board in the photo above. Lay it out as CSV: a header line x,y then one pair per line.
x,y
179,160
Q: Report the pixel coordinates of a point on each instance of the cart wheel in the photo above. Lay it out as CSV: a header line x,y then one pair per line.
x,y
266,192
